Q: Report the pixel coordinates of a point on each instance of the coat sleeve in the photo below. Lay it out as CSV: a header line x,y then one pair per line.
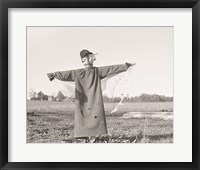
x,y
113,69
63,75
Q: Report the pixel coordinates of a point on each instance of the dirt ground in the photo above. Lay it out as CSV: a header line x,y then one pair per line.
x,y
52,122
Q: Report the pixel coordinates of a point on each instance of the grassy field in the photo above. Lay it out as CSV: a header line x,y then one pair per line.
x,y
52,122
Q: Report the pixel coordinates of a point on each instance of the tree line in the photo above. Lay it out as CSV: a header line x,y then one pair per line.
x,y
41,96
142,98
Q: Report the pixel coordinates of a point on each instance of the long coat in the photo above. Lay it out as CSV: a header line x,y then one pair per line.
x,y
89,109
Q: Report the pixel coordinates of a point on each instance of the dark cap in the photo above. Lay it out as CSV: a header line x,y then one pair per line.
x,y
83,53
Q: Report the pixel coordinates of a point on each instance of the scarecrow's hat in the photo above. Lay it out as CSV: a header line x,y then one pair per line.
x,y
83,53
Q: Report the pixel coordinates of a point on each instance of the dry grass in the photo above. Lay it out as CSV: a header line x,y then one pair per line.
x,y
52,122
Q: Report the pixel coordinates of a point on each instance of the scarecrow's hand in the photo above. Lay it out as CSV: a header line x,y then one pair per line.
x,y
50,76
130,64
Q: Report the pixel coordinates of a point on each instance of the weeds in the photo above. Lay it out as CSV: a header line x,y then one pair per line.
x,y
56,126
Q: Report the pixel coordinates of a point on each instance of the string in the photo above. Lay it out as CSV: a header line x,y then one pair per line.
x,y
125,91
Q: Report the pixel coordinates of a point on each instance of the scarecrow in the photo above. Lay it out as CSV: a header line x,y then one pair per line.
x,y
89,109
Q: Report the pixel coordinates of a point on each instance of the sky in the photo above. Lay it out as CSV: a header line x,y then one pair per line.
x,y
51,49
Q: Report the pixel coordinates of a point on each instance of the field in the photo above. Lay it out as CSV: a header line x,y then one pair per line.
x,y
52,122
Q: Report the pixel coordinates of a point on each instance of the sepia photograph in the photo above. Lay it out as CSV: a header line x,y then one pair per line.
x,y
99,84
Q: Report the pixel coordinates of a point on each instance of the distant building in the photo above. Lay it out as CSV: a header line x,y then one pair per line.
x,y
50,98
42,96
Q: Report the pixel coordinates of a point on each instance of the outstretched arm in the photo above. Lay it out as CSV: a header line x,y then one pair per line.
x,y
62,75
113,69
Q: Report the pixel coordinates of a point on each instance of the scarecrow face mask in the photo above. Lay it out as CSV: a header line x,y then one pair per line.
x,y
89,59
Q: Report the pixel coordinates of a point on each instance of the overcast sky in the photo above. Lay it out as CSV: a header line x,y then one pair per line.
x,y
51,49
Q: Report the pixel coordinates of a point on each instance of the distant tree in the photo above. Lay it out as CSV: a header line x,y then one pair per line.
x,y
60,96
32,94
106,99
116,99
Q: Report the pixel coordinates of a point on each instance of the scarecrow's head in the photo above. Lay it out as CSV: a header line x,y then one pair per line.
x,y
87,58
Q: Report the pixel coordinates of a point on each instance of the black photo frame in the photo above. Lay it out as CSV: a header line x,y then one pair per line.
x,y
6,4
